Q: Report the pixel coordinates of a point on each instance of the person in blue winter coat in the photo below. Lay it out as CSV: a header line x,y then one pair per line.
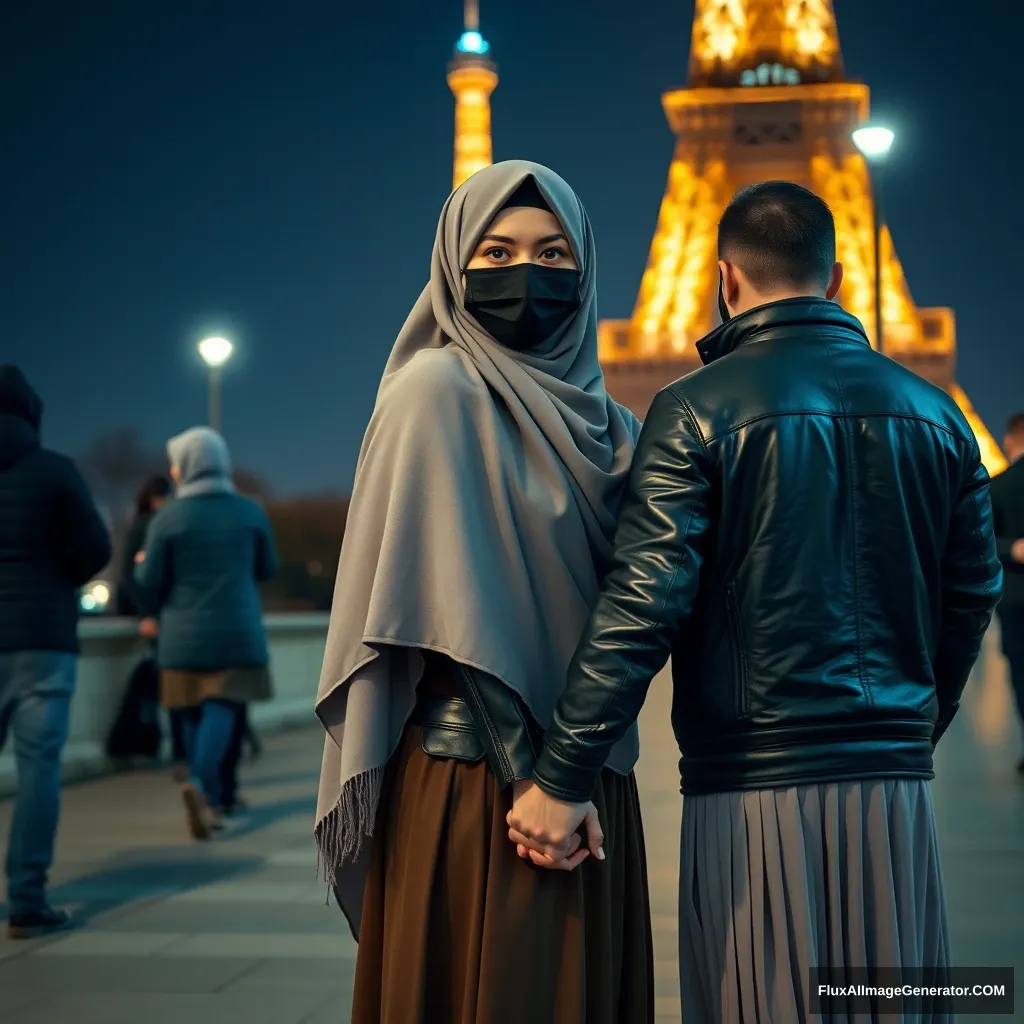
x,y
206,552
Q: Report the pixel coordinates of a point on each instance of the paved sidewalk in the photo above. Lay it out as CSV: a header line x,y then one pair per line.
x,y
237,931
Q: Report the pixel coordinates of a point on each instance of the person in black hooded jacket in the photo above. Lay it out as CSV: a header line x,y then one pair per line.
x,y
52,542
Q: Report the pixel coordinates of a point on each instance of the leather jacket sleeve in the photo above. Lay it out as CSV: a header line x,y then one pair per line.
x,y
649,592
510,738
972,580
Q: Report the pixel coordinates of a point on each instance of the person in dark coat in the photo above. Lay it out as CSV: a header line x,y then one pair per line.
x,y
52,542
1008,512
131,599
136,730
205,553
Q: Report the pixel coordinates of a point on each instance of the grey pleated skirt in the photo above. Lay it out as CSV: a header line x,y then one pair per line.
x,y
775,882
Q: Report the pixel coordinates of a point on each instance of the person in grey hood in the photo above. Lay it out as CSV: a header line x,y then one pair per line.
x,y
205,553
52,542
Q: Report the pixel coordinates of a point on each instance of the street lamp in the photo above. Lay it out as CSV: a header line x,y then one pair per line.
x,y
215,353
874,142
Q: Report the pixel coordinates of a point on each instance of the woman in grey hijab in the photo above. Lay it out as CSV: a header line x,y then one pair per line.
x,y
481,523
205,553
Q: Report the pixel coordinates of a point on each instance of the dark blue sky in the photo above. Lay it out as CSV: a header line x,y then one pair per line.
x,y
274,171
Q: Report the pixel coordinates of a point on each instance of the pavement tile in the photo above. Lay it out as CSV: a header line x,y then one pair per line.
x,y
118,974
261,946
121,1007
97,943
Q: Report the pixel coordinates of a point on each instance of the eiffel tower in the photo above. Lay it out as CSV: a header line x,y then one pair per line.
x,y
767,98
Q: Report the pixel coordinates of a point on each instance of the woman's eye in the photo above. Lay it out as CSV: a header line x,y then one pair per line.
x,y
496,253
553,254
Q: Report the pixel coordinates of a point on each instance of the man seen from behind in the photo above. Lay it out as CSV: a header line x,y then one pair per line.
x,y
52,542
808,534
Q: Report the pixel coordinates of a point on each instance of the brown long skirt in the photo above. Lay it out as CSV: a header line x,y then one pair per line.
x,y
457,929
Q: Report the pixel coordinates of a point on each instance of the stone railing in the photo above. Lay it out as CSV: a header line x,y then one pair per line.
x,y
110,649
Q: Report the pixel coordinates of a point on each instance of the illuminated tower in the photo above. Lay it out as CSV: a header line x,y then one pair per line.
x,y
472,77
767,98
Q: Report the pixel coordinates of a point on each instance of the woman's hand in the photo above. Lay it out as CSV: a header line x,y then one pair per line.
x,y
149,628
544,829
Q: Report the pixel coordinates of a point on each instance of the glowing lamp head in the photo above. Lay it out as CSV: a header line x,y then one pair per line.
x,y
472,42
215,351
873,141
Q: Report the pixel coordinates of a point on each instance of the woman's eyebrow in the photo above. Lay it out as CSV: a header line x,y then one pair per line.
x,y
505,240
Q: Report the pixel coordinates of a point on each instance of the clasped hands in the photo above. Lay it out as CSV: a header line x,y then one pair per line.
x,y
547,830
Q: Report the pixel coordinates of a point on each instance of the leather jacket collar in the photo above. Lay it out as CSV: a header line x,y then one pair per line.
x,y
806,315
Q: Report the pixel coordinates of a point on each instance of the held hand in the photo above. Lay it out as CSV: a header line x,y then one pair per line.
x,y
544,828
140,557
1017,551
149,628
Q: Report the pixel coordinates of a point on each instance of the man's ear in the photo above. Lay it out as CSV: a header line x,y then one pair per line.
x,y
835,281
730,282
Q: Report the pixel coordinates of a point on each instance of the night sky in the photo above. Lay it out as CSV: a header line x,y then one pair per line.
x,y
273,172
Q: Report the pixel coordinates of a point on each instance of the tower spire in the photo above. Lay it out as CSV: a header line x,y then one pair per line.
x,y
472,77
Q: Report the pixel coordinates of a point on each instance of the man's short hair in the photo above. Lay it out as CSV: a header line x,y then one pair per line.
x,y
780,235
1015,425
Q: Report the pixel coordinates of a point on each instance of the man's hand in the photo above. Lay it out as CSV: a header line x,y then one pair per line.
x,y
140,557
1017,551
149,628
544,829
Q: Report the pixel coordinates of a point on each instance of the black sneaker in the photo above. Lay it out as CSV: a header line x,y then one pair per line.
x,y
34,924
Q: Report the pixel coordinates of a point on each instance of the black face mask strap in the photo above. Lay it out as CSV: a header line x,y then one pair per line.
x,y
723,309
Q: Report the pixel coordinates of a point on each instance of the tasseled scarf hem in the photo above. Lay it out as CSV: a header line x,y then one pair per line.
x,y
342,832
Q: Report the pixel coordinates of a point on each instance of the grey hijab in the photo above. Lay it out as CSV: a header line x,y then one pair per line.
x,y
201,457
483,509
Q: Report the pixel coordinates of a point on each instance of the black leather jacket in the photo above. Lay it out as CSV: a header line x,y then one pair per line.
x,y
467,715
808,533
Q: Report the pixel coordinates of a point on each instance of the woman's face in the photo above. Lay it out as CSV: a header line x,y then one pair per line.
x,y
523,234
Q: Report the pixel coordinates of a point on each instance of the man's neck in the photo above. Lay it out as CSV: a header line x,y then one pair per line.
x,y
764,300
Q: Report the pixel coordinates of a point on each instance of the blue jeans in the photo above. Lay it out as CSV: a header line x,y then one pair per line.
x,y
209,742
36,688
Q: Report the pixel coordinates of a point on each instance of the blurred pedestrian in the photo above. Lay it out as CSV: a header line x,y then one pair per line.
x,y
136,731
1008,511
52,542
131,598
205,553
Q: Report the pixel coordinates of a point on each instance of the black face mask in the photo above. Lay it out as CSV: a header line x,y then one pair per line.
x,y
522,306
723,309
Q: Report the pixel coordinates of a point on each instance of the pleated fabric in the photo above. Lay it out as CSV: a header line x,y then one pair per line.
x,y
776,882
457,929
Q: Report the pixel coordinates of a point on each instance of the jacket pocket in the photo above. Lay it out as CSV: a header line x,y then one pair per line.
x,y
451,743
737,653
447,730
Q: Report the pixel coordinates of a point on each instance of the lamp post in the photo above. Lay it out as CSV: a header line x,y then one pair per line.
x,y
215,353
874,142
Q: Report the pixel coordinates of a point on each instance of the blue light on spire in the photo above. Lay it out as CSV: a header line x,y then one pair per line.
x,y
472,42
